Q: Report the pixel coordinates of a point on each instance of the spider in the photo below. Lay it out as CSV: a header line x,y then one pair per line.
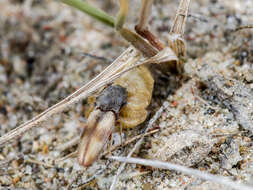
x,y
128,81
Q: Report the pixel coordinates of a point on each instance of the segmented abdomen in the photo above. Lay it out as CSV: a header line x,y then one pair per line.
x,y
139,84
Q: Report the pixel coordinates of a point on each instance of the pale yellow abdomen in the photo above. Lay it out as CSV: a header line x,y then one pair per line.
x,y
139,84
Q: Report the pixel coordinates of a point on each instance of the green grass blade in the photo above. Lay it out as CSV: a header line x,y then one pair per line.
x,y
92,11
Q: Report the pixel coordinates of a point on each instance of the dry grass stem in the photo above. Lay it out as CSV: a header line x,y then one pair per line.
x,y
175,39
189,171
71,155
178,26
146,6
130,141
68,144
39,163
142,27
99,81
153,40
122,14
138,42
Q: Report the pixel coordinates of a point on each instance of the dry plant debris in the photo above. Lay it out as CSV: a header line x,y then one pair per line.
x,y
41,62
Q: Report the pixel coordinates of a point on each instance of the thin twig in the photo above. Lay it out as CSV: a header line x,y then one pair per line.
x,y
72,154
137,145
68,144
39,163
97,57
205,102
178,26
189,171
200,18
129,141
83,184
243,27
146,6
142,27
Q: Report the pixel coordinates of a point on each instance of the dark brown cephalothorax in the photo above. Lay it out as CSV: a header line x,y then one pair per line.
x,y
100,123
112,98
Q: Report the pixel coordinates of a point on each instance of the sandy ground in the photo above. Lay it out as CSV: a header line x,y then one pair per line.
x,y
207,123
